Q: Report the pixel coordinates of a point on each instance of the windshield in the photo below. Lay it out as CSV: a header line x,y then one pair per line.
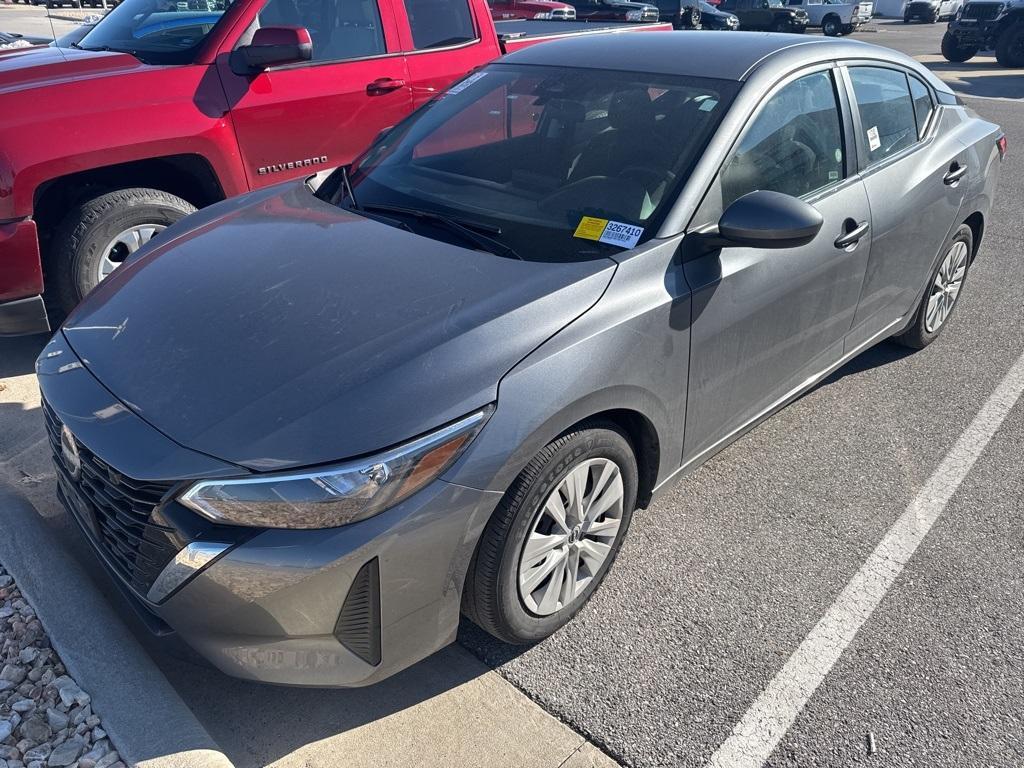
x,y
156,31
528,152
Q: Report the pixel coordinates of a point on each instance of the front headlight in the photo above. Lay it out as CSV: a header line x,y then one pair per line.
x,y
545,15
338,495
634,15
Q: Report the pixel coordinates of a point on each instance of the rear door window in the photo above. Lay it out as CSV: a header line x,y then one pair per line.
x,y
440,23
888,121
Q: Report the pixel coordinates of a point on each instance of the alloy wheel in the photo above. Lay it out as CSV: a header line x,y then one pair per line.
x,y
571,536
124,245
946,286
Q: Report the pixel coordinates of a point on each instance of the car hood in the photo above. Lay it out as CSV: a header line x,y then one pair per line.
x,y
42,67
275,330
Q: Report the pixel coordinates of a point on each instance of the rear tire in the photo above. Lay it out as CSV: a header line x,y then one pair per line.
x,y
928,323
831,26
1010,46
83,238
503,594
953,51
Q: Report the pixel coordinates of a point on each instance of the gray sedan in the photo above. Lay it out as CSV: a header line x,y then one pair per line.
x,y
309,430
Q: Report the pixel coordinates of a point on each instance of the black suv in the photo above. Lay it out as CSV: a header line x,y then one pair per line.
x,y
766,15
984,26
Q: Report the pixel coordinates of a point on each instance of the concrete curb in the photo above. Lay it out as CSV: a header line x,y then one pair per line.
x,y
149,723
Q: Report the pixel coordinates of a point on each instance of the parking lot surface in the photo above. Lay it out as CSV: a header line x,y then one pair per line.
x,y
720,582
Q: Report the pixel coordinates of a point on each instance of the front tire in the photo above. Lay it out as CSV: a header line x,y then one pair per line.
x,y
96,235
832,26
953,51
1010,46
782,25
550,542
943,291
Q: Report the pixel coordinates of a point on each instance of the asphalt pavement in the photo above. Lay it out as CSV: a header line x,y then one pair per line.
x,y
720,582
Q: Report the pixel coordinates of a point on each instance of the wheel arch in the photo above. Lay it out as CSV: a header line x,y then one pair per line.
x,y
188,176
976,221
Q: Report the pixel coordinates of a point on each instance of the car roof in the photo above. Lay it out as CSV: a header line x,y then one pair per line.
x,y
722,55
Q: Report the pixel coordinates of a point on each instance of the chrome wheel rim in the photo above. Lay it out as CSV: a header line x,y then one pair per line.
x,y
571,536
946,286
124,245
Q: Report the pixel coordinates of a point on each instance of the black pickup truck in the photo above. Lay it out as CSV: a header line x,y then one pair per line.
x,y
987,26
767,15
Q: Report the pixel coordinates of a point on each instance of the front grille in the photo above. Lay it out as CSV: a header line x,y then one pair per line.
x,y
981,11
121,510
920,7
564,14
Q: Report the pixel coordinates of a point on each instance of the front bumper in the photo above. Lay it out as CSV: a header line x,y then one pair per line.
x,y
21,280
972,32
275,607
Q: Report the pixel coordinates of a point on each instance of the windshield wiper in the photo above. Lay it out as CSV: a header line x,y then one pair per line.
x,y
346,187
468,230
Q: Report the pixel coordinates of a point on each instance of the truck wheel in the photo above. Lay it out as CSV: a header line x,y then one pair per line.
x,y
98,234
782,25
953,51
1010,46
906,18
831,26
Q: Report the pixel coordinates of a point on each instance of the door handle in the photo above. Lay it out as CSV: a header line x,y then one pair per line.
x,y
956,172
853,236
384,85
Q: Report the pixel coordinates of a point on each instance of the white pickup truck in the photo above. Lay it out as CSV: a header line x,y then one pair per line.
x,y
835,18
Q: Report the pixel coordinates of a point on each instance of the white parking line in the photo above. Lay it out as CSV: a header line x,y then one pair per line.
x,y
772,714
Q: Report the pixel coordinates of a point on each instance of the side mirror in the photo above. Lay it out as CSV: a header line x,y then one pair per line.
x,y
270,47
764,219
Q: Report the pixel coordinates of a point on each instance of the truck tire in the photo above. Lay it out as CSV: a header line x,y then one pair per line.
x,y
99,233
953,51
1010,46
782,25
831,25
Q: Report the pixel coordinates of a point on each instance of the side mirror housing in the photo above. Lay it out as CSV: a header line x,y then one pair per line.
x,y
270,47
765,219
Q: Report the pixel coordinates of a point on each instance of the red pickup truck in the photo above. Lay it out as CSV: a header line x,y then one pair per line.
x,y
166,106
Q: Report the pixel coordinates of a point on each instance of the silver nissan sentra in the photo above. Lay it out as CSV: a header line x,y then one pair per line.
x,y
308,430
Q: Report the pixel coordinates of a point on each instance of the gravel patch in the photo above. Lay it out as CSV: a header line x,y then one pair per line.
x,y
46,719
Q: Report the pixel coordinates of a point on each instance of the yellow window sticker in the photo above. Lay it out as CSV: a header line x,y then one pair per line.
x,y
590,228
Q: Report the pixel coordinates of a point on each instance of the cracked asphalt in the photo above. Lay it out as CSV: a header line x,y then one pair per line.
x,y
719,582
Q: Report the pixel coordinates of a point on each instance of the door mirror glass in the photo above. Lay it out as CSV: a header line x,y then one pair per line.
x,y
271,47
765,219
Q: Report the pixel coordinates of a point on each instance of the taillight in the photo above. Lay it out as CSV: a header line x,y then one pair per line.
x,y
1001,144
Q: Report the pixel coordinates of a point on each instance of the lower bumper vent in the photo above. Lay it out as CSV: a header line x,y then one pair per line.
x,y
358,627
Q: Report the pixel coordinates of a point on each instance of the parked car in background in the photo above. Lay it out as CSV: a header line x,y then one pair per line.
x,y
307,430
10,40
931,11
615,10
833,16
503,10
987,25
682,14
713,18
261,92
766,15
